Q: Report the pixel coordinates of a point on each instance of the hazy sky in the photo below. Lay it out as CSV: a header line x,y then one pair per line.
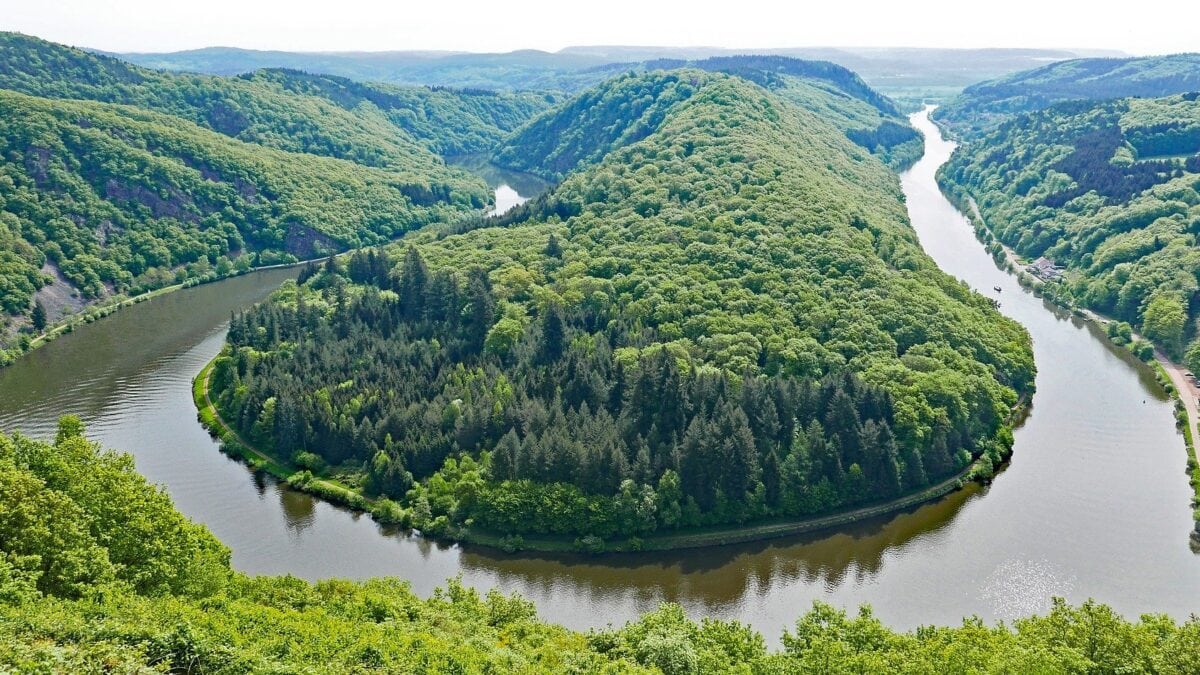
x,y
1143,27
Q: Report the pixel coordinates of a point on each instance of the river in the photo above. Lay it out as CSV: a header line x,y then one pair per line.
x,y
1094,503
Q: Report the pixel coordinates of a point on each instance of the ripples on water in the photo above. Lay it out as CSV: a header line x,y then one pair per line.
x,y
1094,504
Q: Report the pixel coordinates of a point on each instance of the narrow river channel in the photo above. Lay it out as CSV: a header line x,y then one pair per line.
x,y
1094,503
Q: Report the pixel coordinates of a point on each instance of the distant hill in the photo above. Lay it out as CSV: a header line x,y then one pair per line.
x,y
287,110
628,108
984,104
892,70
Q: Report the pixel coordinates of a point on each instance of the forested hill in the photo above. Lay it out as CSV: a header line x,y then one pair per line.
x,y
1110,190
987,103
119,179
284,109
120,199
725,320
447,121
100,573
630,107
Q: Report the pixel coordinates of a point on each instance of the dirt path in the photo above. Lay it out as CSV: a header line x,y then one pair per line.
x,y
1176,372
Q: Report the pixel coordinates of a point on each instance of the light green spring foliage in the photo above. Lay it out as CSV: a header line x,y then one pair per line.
x,y
1127,233
199,170
116,195
632,106
986,104
375,125
755,237
99,573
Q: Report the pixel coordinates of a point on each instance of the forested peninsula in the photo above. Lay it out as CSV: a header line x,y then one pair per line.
x,y
719,318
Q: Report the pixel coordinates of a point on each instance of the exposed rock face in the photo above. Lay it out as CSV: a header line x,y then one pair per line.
x,y
305,242
176,205
60,298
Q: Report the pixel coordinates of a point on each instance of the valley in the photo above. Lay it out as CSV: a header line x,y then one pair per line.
x,y
605,360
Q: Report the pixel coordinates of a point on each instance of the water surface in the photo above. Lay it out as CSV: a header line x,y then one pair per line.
x,y
1094,503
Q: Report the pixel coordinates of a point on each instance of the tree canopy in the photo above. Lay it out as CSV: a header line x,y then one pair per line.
x,y
734,311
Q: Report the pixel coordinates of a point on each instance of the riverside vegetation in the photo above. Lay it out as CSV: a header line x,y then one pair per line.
x,y
98,572
1111,191
724,319
119,180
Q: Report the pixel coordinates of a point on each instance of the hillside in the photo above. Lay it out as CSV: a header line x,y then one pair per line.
x,y
159,179
628,108
99,573
447,121
1109,190
987,103
911,72
119,200
286,110
720,314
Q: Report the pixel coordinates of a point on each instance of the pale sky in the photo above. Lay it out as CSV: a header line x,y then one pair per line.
x,y
1143,27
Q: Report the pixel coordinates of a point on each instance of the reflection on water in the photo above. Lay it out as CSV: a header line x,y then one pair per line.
x,y
1094,503
512,188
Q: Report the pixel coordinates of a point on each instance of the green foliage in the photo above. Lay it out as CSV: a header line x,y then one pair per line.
x,y
126,180
120,199
986,104
1074,183
75,518
79,593
630,107
732,306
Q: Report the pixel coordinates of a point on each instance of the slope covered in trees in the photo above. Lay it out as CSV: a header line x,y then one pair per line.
x,y
447,121
631,107
120,199
99,573
288,110
1110,190
123,179
726,320
988,103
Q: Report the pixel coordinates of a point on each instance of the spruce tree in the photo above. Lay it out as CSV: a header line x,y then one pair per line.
x,y
38,316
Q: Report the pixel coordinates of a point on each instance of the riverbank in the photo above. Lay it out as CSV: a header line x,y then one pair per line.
x,y
387,512
1170,374
116,303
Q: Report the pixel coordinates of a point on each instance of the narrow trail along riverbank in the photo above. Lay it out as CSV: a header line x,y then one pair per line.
x,y
1186,389
1092,504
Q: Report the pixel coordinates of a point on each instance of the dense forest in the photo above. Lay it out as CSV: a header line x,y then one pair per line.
x,y
631,107
1111,191
985,104
401,129
99,573
119,199
724,320
118,179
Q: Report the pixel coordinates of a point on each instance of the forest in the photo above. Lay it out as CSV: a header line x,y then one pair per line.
x,y
100,573
123,180
121,200
983,105
717,322
1110,191
624,111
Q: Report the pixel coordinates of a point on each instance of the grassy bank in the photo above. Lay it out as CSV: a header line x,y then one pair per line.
x,y
390,513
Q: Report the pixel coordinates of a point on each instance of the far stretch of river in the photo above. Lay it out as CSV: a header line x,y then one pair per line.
x,y
1094,504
